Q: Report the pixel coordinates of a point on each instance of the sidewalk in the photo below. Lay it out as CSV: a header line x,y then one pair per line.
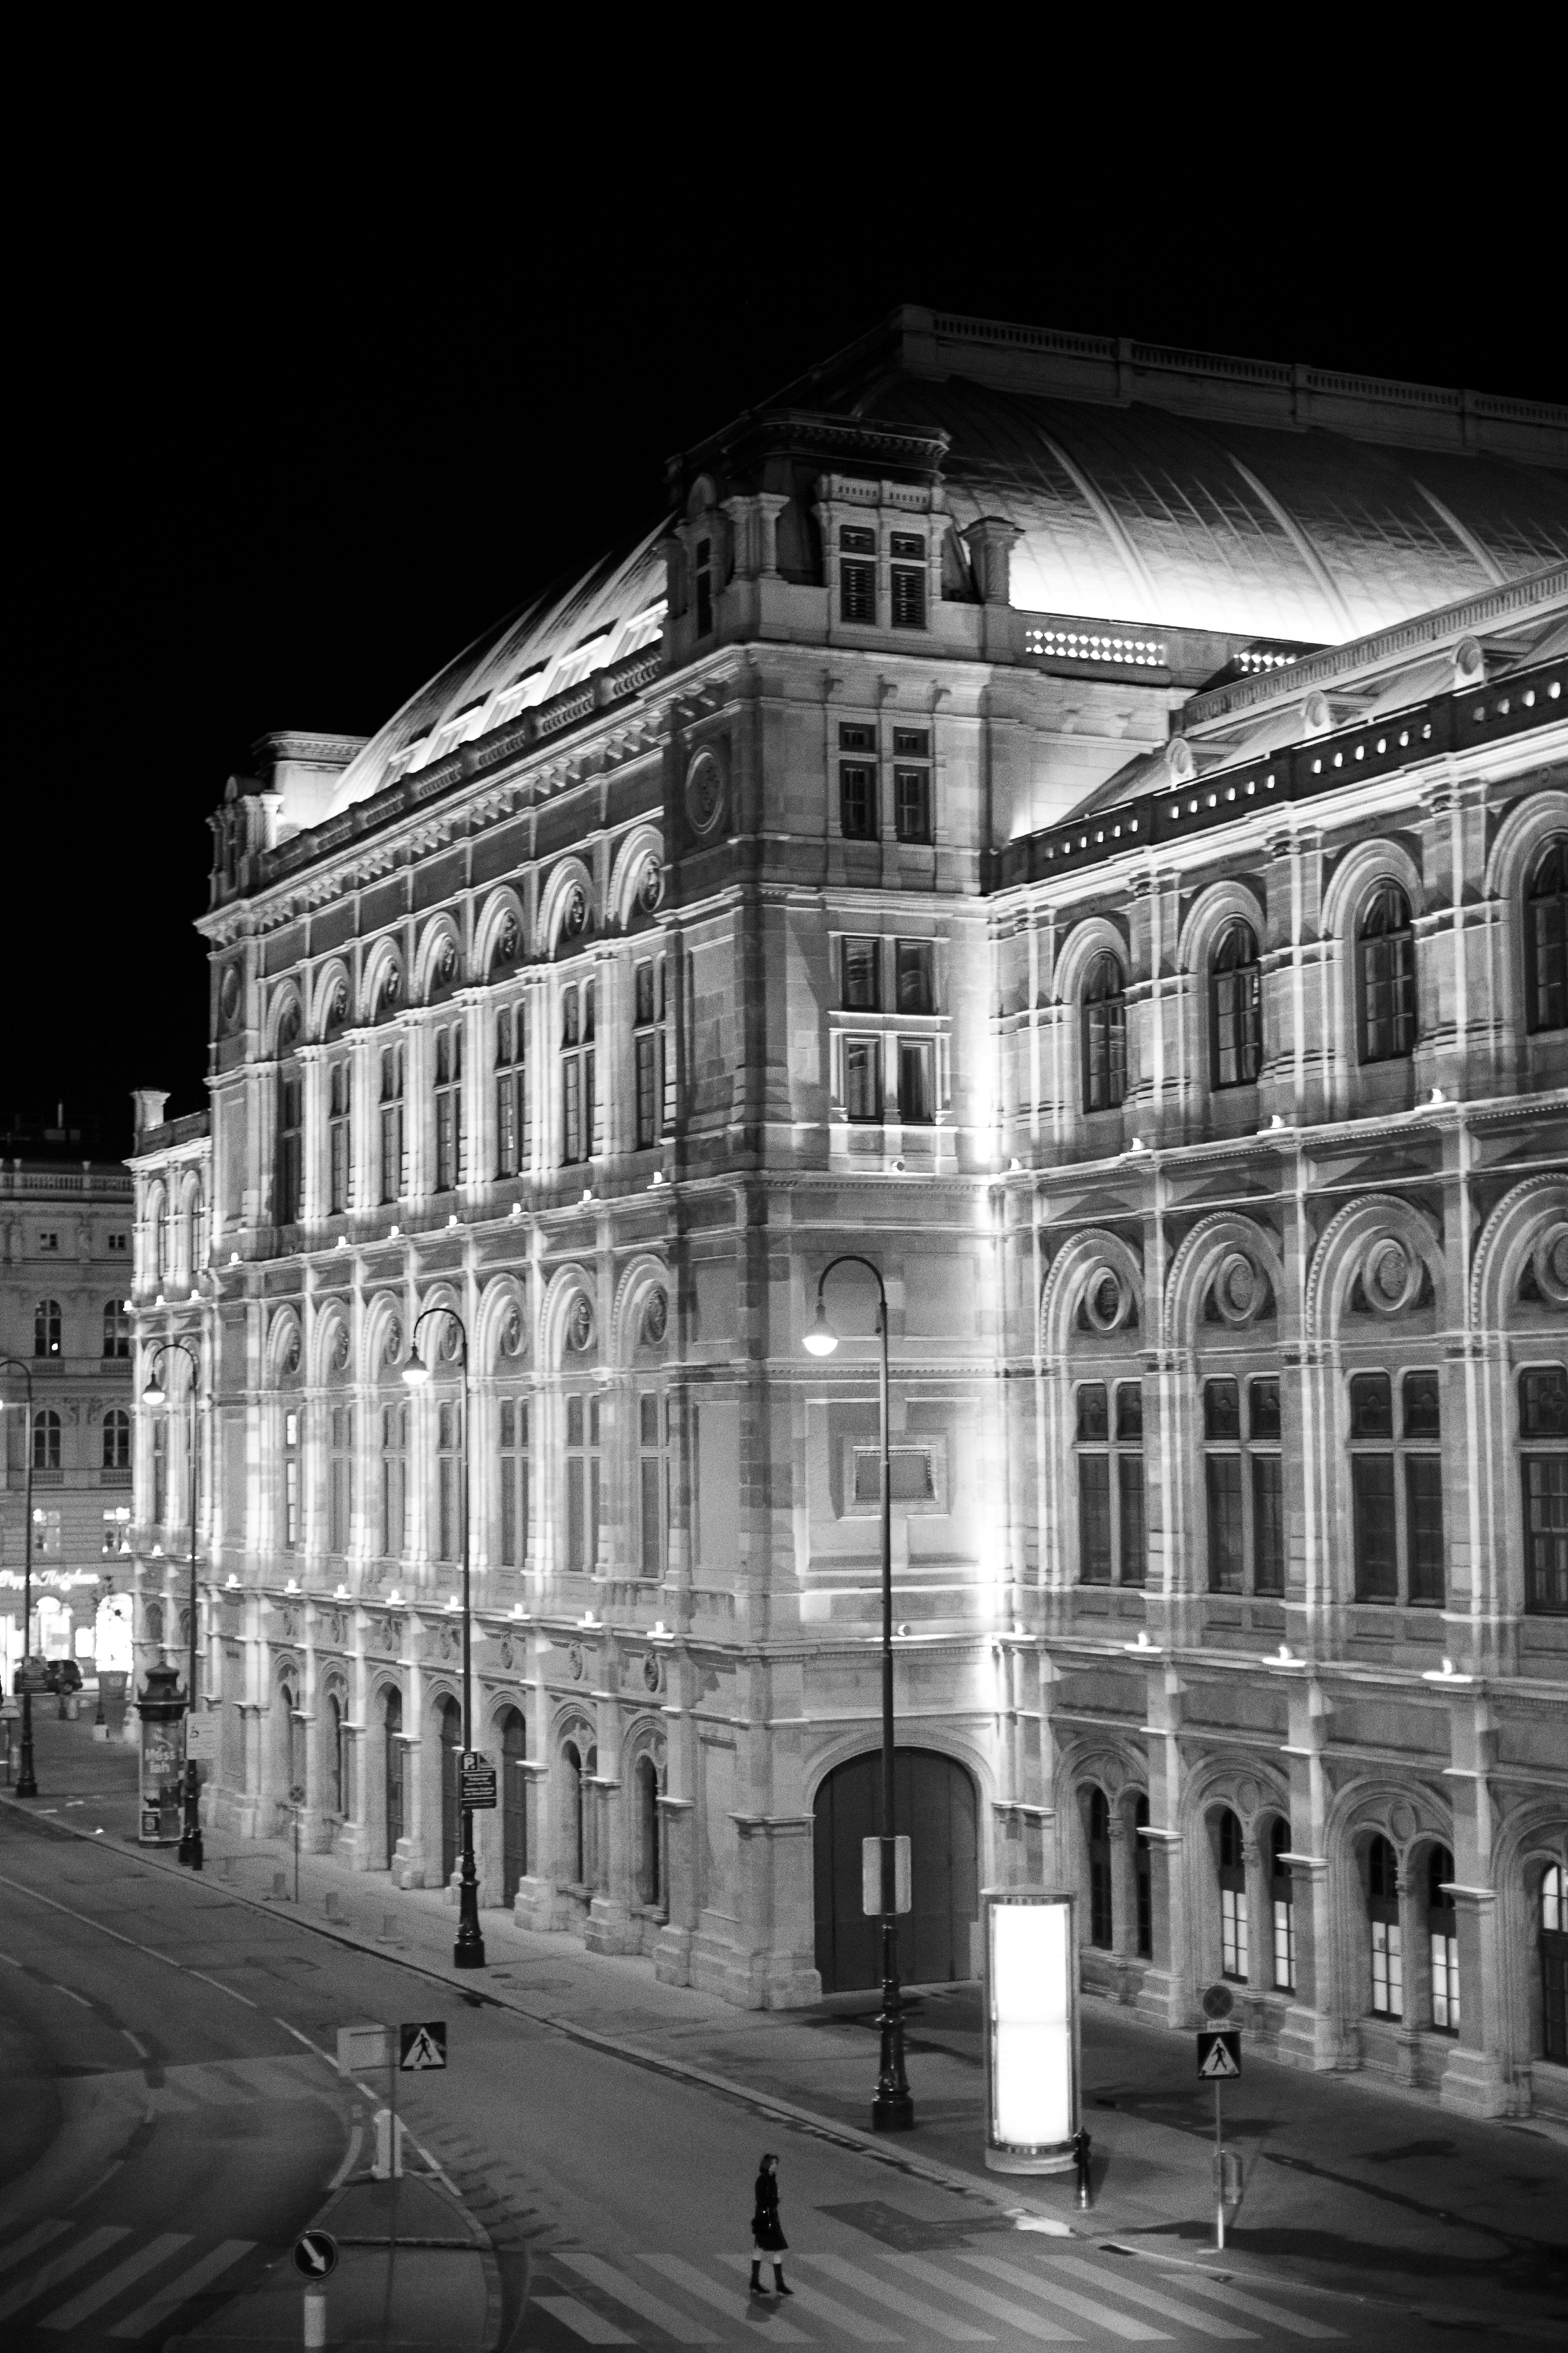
x,y
1351,2184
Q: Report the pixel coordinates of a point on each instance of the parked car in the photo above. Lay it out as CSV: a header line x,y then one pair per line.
x,y
62,1675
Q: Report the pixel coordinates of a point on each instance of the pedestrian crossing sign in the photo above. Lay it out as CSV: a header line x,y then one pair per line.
x,y
1219,2055
423,2046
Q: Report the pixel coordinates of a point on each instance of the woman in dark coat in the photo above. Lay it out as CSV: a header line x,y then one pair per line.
x,y
767,2235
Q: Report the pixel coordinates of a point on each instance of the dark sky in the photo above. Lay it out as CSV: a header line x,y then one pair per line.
x,y
318,390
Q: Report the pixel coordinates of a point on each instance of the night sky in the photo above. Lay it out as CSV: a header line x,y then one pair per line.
x,y
314,398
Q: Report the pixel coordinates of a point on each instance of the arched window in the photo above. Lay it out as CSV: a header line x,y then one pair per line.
x,y
45,1439
1385,956
448,1530
514,1464
1546,939
1143,1880
160,1239
194,1231
1555,1965
394,1762
1284,1909
47,1328
650,1873
1383,1915
290,1144
1104,1036
1232,1898
1443,1929
580,1771
1099,1918
116,1328
338,1140
1235,986
338,1781
117,1439
1544,1462
288,1497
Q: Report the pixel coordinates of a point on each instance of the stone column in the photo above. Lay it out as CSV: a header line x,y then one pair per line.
x,y
673,1946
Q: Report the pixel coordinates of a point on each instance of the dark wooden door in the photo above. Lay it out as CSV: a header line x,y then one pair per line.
x,y
451,1779
394,1761
935,1805
513,1805
1555,1998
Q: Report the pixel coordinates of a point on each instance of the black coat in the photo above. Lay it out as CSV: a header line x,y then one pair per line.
x,y
766,2234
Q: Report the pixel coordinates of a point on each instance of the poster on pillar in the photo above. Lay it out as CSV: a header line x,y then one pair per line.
x,y
479,1781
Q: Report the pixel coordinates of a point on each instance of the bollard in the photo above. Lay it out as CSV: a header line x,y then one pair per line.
x,y
388,1935
334,1906
391,2133
1080,2157
315,2319
280,1885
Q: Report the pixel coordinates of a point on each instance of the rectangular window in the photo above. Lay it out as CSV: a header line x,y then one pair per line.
x,y
1545,1531
649,1091
862,1078
449,1482
1387,1971
1233,1932
862,975
916,963
1371,1406
513,1452
1094,1518
391,1110
1284,1945
912,804
704,573
1423,1524
577,1104
340,1479
449,1108
908,581
1445,1983
291,1482
1267,1523
290,1118
651,1484
1222,1410
1130,1478
917,1105
510,1091
1376,1561
1226,1537
858,800
857,575
647,1051
338,1156
393,1531
1093,1423
581,1483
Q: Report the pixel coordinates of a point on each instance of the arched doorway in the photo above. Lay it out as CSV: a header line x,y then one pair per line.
x,y
451,1781
513,1804
394,1761
935,1805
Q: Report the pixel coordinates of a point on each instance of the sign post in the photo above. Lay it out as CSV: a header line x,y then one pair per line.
x,y
1219,2063
479,1781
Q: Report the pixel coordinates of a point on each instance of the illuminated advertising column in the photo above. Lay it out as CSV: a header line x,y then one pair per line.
x,y
1031,2030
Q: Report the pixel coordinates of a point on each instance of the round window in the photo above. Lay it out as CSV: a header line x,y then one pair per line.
x,y
704,793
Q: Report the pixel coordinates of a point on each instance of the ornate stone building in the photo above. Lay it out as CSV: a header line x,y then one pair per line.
x,y
1175,1010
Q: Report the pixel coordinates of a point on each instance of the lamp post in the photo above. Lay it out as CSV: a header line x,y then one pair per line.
x,y
154,1393
893,2109
27,1782
469,1951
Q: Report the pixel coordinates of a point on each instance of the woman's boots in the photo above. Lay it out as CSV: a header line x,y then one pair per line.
x,y
779,2287
757,2287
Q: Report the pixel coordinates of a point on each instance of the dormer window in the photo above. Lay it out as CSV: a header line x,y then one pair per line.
x,y
856,573
704,575
908,549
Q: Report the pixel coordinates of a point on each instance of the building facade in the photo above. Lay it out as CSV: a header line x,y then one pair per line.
x,y
1173,1010
65,1319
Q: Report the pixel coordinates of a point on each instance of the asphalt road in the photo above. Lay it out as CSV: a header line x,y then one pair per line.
x,y
169,2130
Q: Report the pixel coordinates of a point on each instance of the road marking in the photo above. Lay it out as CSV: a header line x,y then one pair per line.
x,y
1093,2275
30,2241
637,2299
995,2308
1275,2312
136,2044
86,2251
1137,2332
148,2316
104,2291
957,2332
14,1963
589,2326
69,1995
325,2057
88,1921
724,2299
245,1998
837,2315
356,2142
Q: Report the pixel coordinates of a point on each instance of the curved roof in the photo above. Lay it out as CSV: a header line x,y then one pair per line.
x,y
1206,523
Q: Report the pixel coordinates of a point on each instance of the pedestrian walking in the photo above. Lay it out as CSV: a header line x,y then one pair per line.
x,y
767,2232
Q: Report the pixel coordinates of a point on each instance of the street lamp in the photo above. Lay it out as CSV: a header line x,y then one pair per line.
x,y
893,2109
26,1785
154,1393
468,1952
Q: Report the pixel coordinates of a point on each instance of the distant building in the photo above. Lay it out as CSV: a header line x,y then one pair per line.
x,y
1085,826
65,1315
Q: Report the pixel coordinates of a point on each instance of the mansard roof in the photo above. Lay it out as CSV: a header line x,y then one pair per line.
x,y
1281,503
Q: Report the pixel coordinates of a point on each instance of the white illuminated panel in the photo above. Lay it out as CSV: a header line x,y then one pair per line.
x,y
1031,2058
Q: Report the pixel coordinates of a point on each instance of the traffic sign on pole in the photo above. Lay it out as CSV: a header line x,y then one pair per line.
x,y
422,2046
315,2253
1219,2054
478,1789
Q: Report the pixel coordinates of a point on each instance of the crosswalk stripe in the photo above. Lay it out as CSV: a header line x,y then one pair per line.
x,y
180,2291
591,2327
1150,2298
876,2291
1137,2332
105,2290
30,2241
724,2300
60,2267
637,2299
818,2306
1295,2322
995,2308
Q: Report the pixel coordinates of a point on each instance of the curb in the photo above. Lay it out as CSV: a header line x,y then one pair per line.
x,y
766,2103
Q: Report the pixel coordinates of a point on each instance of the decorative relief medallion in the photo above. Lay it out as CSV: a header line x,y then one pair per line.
x,y
508,939
704,793
289,1027
1247,1798
580,1322
395,1630
1402,1821
1241,1292
655,1318
291,1353
574,913
339,1348
288,1623
228,995
1549,1265
445,1641
391,988
450,1343
392,1346
1391,1278
650,884
653,1671
575,1661
338,1011
508,1655
1108,1300
513,1332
